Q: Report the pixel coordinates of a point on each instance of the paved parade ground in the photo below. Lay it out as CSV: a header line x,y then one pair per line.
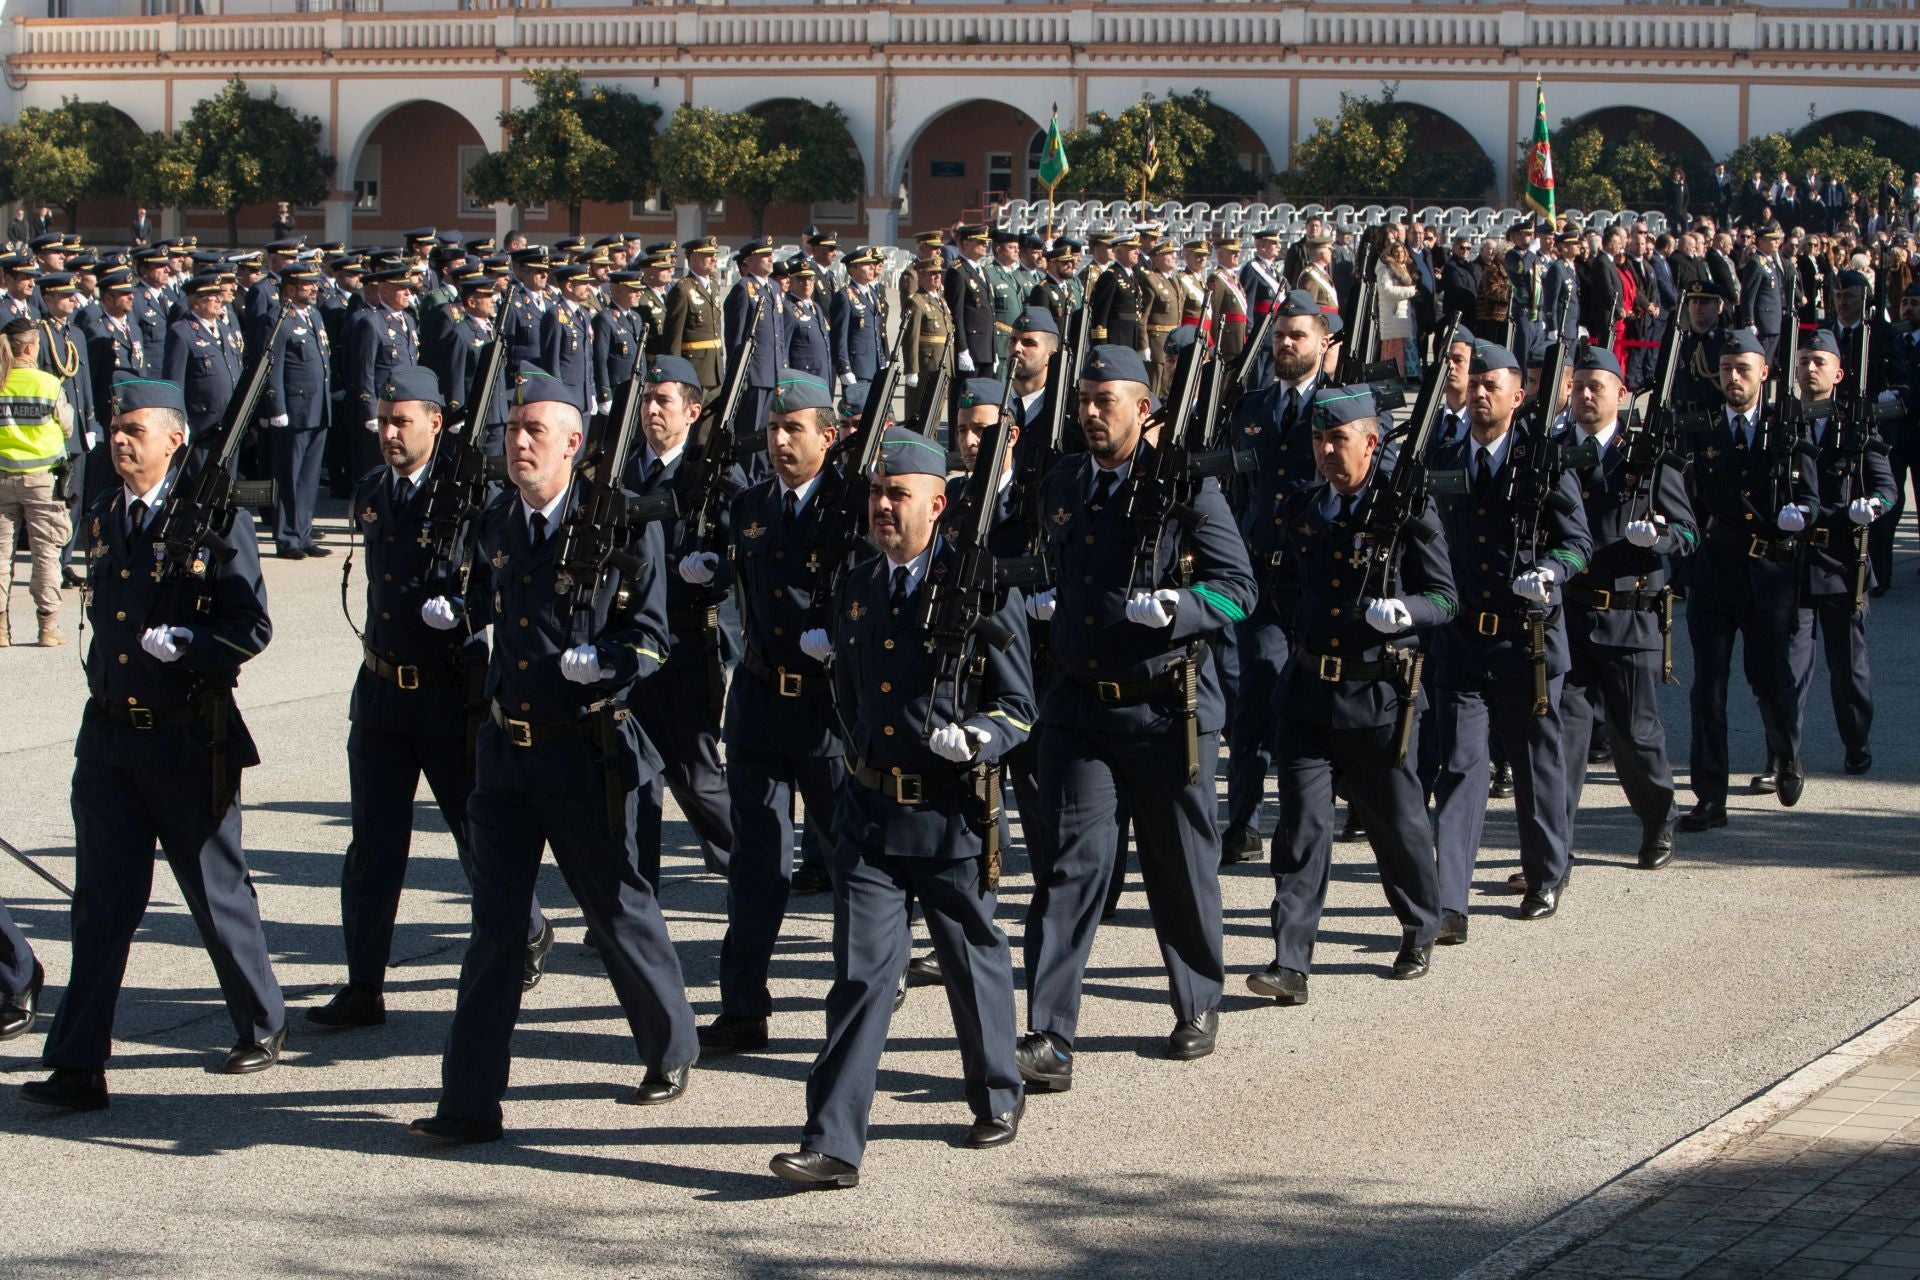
x,y
1384,1130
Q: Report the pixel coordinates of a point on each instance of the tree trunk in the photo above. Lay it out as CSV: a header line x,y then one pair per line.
x,y
759,220
72,210
233,226
573,218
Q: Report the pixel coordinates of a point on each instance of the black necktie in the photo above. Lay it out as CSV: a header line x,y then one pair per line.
x,y
136,517
1483,473
790,507
1740,431
1103,490
899,596
654,469
1289,403
1346,509
539,528
402,492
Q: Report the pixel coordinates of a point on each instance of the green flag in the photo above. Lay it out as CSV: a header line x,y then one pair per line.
x,y
1540,157
1053,161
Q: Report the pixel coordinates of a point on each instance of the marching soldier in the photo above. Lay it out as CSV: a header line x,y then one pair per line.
x,y
744,311
1135,707
857,318
970,299
160,753
1505,650
1854,486
1116,301
1752,492
566,337
1349,694
1035,339
1059,292
1162,312
1008,287
1619,611
560,763
296,408
692,330
781,732
414,702
681,713
914,827
929,326
619,336
809,338
200,357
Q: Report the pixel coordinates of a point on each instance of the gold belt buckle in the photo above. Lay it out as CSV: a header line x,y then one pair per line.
x,y
1330,668
1818,538
1489,624
789,682
520,733
1605,602
908,788
407,677
1107,690
140,717
1756,548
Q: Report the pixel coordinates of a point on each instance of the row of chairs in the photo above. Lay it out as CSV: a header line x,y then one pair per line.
x,y
1198,219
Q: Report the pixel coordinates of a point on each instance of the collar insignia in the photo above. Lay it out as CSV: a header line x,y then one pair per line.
x,y
500,559
753,530
1060,515
369,515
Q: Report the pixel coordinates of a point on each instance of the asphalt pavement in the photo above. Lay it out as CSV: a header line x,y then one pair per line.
x,y
1383,1130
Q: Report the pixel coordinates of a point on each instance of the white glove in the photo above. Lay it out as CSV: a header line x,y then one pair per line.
x,y
1534,585
373,425
1389,616
815,644
1889,397
847,379
1791,519
278,420
911,380
966,362
581,664
603,407
698,567
1153,608
958,742
439,614
164,643
1863,510
1040,605
1642,533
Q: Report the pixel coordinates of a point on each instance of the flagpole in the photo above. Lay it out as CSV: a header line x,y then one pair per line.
x,y
1050,187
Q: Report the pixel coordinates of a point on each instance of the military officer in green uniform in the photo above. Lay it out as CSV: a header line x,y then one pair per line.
x,y
929,325
1008,286
693,314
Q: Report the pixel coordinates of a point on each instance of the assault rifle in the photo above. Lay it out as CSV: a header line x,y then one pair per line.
x,y
714,445
456,484
597,536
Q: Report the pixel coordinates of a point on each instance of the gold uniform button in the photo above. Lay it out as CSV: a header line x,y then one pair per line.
x,y
886,644
526,706
888,730
1483,565
1280,471
386,577
778,594
123,659
1089,539
120,617
1088,579
387,617
1333,582
1334,643
1334,611
523,664
523,622
126,573
779,631
1749,516
1093,664
886,686
1088,619
132,701
1481,538
526,579
779,555
1279,519
1480,511
1486,595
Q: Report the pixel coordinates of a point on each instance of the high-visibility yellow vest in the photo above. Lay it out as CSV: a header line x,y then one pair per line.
x,y
31,437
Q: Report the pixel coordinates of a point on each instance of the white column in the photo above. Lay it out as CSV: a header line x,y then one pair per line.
x,y
339,212
503,220
689,222
883,223
172,223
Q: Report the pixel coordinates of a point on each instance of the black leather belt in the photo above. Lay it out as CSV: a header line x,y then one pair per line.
x,y
522,733
903,788
1127,693
143,718
1337,670
1752,545
1602,600
1489,622
788,684
694,618
406,677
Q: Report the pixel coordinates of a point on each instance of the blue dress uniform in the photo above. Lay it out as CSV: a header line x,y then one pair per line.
x,y
619,347
154,311
1341,697
1902,377
1559,299
809,338
970,302
297,409
522,321
1826,602
160,752
1745,583
857,322
1613,611
1525,272
681,713
781,732
1483,673
457,364
412,714
1115,719
912,829
379,340
554,757
566,347
737,314
203,362
1763,292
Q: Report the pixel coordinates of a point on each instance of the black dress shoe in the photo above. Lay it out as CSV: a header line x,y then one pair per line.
x,y
1353,830
250,1056
1877,592
1517,882
453,1129
1412,962
733,1033
900,993
662,1086
1502,786
817,1172
1656,851
1858,762
537,957
1044,1063
1240,844
1285,986
1194,1038
68,1090
925,970
70,581
810,880
318,552
1453,929
1704,816
1541,903
351,1006
998,1131
1763,784
289,553
1599,752
18,1013
1793,781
